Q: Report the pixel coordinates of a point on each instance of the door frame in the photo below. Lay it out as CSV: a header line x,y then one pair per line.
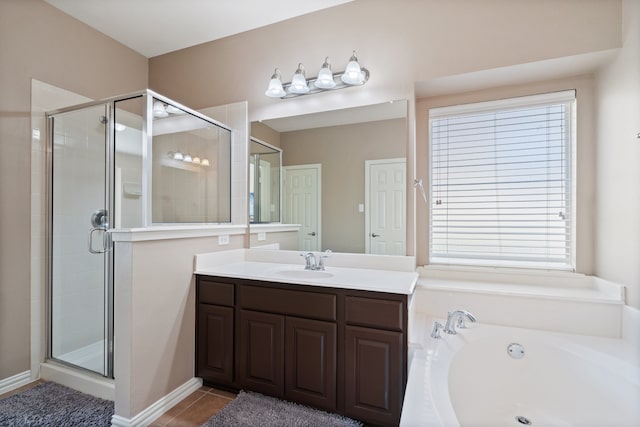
x,y
367,197
108,256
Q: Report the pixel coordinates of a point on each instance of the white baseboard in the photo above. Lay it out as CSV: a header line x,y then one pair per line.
x,y
162,405
15,381
84,381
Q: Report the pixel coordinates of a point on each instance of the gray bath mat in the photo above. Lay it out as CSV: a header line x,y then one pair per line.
x,y
251,409
51,404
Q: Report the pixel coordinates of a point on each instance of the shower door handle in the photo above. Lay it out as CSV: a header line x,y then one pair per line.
x,y
100,222
106,241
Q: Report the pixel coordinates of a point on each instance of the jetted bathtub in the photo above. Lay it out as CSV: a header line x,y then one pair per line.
x,y
499,376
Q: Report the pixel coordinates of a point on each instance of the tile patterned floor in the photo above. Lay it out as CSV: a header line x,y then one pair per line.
x,y
195,409
192,411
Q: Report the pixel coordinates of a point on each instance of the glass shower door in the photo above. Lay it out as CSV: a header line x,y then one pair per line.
x,y
80,248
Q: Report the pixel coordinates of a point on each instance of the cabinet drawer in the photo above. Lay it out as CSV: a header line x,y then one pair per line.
x,y
376,313
213,292
312,305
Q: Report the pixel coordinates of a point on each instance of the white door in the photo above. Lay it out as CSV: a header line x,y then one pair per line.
x,y
302,203
385,206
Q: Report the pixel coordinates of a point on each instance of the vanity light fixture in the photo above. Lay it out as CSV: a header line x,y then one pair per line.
x,y
299,84
353,75
205,162
275,89
325,76
175,155
187,158
162,110
196,160
159,110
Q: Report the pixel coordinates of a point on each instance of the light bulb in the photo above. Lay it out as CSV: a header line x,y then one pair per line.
x,y
299,81
196,160
205,162
275,89
187,158
325,77
159,110
353,75
178,156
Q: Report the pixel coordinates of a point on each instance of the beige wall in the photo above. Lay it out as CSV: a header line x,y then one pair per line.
x,y
400,42
38,41
342,151
586,151
265,133
618,161
155,318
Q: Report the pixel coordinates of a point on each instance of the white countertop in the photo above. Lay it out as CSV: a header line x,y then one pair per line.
x,y
240,264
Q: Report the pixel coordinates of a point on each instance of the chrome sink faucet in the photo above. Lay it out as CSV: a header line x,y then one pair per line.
x,y
315,264
310,259
456,319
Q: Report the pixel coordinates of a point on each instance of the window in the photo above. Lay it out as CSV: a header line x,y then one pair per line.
x,y
501,185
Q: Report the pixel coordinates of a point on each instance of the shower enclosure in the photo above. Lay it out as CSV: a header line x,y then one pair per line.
x,y
127,163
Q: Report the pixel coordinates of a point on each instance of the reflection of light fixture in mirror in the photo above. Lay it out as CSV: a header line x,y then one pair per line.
x,y
176,155
353,75
275,89
120,127
159,110
325,76
174,110
299,81
187,158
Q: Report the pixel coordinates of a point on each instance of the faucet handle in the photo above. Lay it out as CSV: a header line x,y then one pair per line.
x,y
435,332
307,257
324,255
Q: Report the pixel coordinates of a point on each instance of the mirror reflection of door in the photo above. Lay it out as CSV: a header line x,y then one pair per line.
x,y
302,203
385,206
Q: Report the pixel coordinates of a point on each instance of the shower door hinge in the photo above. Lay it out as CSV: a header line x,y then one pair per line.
x,y
103,119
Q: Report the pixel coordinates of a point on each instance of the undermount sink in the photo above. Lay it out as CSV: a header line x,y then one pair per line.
x,y
304,274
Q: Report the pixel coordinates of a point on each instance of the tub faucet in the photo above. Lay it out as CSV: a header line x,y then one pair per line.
x,y
456,319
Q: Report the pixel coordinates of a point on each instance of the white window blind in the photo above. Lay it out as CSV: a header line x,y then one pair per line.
x,y
501,183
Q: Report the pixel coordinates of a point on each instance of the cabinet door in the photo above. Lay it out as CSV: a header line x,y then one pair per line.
x,y
261,352
215,344
373,375
310,362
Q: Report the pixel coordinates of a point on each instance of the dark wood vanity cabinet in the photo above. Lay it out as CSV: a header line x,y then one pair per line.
x,y
337,350
215,331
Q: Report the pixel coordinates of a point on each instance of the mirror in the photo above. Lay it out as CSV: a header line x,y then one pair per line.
x,y
264,182
343,178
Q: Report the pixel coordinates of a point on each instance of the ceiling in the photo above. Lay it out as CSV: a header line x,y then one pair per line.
x,y
156,27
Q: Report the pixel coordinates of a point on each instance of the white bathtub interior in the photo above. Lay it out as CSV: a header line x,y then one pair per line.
x,y
567,377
